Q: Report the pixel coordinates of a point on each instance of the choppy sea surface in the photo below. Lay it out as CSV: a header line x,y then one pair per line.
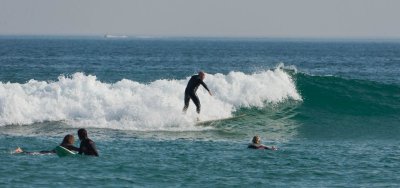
x,y
332,107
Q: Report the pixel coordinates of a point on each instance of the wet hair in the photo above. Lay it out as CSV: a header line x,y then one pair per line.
x,y
82,133
256,139
68,140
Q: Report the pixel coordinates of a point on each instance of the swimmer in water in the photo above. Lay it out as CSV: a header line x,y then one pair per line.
x,y
68,143
256,144
87,146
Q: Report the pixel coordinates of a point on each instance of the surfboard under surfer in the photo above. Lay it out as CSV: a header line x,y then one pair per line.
x,y
68,143
87,146
191,88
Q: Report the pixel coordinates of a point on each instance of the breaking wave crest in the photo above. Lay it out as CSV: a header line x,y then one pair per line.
x,y
84,101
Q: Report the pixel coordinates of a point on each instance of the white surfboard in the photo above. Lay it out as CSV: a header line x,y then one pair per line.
x,y
208,122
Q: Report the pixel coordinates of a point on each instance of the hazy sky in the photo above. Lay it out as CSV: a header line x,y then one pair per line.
x,y
230,18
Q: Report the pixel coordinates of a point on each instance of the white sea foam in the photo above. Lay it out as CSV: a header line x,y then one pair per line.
x,y
83,101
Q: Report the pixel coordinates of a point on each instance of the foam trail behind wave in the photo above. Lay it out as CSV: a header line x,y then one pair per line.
x,y
83,101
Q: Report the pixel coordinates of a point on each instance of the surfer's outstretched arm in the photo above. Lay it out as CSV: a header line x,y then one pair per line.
x,y
253,146
270,147
19,150
202,75
256,144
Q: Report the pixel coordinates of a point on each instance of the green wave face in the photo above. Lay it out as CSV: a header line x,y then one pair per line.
x,y
336,107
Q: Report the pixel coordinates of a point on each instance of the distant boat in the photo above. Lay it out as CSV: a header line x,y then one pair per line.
x,y
115,36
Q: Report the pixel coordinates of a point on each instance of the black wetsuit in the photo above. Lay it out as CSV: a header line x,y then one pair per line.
x,y
258,146
88,147
190,92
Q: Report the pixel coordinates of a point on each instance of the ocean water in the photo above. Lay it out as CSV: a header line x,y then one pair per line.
x,y
332,107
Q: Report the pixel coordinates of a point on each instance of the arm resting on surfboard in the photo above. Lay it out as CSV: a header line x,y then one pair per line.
x,y
71,147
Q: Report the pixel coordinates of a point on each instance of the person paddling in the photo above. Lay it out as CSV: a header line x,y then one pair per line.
x,y
256,144
68,143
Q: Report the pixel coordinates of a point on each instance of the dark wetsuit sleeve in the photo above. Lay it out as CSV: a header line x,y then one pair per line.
x,y
204,85
94,149
80,150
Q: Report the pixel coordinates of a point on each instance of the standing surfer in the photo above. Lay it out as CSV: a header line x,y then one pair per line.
x,y
191,88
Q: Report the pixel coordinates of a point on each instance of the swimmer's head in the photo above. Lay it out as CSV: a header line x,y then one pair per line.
x,y
82,134
68,140
256,140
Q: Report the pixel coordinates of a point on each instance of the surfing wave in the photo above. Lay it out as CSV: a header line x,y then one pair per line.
x,y
84,101
335,107
348,96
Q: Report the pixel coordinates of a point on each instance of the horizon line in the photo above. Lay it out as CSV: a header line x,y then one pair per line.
x,y
208,37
